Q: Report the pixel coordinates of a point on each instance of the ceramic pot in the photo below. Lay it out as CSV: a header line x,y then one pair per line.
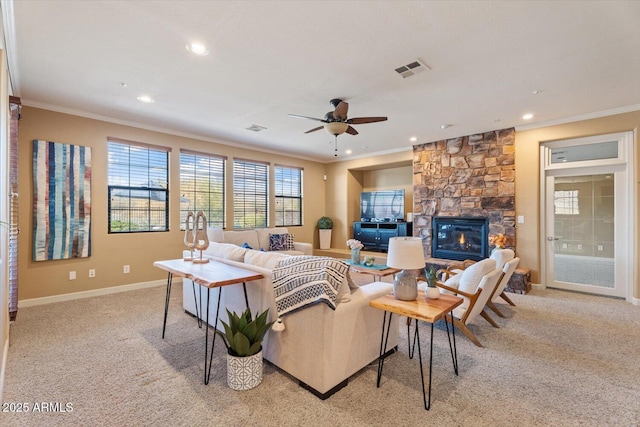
x,y
244,373
433,293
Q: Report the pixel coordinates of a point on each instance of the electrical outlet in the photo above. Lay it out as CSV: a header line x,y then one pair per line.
x,y
520,219
72,275
126,269
579,247
600,248
92,272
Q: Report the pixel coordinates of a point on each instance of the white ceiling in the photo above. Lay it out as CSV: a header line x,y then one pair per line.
x,y
271,58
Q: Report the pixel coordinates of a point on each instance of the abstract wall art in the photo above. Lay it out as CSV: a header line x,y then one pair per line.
x,y
61,201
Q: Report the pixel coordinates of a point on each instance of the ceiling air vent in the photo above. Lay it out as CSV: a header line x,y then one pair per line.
x,y
256,128
411,69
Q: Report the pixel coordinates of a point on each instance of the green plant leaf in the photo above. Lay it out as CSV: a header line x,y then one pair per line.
x,y
241,345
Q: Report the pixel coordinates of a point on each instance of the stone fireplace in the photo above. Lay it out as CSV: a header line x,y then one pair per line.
x,y
471,176
460,238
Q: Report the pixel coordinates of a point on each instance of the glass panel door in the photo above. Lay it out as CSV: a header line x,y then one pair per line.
x,y
584,232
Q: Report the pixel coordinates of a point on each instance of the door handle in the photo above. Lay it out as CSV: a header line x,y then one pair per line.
x,y
551,238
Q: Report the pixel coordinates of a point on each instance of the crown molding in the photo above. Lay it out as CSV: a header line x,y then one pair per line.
x,y
588,116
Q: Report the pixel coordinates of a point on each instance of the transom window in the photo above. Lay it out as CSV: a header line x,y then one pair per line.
x,y
288,189
250,194
202,186
138,187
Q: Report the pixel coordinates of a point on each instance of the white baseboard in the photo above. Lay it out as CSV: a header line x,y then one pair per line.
x,y
3,366
92,293
538,286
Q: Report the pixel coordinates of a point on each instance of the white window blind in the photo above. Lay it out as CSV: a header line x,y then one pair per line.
x,y
138,187
250,194
288,197
202,186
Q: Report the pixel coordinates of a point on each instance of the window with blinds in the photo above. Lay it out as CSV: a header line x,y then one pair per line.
x,y
288,196
250,194
202,187
138,187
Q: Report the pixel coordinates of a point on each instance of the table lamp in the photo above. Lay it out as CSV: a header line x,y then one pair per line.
x,y
405,253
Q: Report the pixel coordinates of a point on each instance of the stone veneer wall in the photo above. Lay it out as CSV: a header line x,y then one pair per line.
x,y
472,175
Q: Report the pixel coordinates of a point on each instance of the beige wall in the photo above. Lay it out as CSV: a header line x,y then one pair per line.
x,y
109,252
528,181
347,179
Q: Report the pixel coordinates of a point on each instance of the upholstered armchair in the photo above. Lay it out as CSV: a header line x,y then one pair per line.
x,y
475,284
507,271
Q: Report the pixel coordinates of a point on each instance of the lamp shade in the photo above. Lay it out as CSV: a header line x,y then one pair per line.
x,y
405,253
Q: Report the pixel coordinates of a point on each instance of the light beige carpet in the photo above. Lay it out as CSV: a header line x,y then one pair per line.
x,y
559,359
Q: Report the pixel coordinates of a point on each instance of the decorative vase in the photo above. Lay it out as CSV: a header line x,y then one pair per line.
x,y
244,373
432,292
355,256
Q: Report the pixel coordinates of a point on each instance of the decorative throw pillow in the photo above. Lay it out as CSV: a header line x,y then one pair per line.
x,y
280,242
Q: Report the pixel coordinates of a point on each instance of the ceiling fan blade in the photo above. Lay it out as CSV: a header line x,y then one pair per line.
x,y
351,131
307,117
340,112
363,120
314,129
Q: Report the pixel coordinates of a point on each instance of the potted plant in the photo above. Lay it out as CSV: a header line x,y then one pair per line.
x,y
243,337
325,224
432,290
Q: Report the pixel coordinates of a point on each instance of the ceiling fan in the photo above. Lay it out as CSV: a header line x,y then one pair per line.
x,y
336,121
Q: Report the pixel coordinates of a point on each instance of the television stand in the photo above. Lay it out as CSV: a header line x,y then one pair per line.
x,y
375,235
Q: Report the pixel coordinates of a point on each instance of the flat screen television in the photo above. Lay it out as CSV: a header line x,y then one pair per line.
x,y
380,206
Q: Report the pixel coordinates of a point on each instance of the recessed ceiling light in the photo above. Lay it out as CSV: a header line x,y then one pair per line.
x,y
445,126
348,152
413,139
198,49
527,116
537,91
146,98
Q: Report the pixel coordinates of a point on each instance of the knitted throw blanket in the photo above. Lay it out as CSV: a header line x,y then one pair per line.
x,y
300,281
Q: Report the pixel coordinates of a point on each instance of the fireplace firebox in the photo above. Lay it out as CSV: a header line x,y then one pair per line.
x,y
460,238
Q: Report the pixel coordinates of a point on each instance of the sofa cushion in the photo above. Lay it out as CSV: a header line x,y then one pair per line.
x,y
216,249
280,242
263,236
263,259
239,238
215,234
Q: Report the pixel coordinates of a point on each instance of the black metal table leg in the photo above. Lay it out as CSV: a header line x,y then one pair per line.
x,y
412,347
246,298
383,346
207,372
427,404
166,302
195,301
454,349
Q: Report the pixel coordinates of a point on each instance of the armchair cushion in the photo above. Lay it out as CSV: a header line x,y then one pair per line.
x,y
470,278
502,256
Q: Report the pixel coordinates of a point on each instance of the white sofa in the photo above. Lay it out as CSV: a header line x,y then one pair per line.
x,y
320,347
257,239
